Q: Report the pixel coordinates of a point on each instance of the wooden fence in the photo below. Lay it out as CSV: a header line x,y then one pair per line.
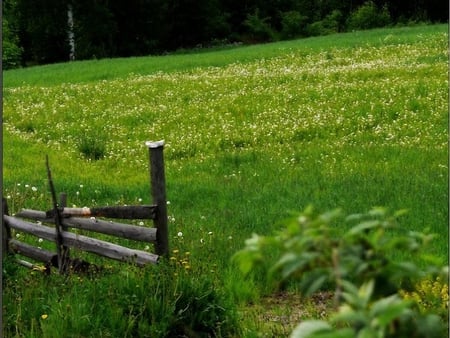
x,y
62,219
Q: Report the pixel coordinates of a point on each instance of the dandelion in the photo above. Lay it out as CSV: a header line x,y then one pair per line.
x,y
210,233
147,248
34,189
44,316
180,234
40,240
141,223
168,202
202,240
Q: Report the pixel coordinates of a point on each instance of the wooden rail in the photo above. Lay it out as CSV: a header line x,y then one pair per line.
x,y
37,223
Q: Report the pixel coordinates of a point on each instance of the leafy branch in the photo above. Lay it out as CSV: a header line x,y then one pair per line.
x,y
363,265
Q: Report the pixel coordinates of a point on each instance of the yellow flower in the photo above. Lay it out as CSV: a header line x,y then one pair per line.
x,y
44,316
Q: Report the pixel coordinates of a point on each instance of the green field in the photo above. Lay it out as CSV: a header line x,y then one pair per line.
x,y
253,133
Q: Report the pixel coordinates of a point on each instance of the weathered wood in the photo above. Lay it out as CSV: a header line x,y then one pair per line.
x,y
85,243
60,248
6,231
34,214
33,252
127,231
110,250
122,212
45,268
31,228
63,204
158,191
25,263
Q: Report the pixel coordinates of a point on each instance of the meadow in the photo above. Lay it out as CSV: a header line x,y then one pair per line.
x,y
252,133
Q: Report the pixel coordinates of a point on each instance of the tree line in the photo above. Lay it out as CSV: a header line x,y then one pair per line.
x,y
49,31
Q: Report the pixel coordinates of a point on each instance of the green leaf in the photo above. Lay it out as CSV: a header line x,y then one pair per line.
x,y
430,326
310,328
387,309
378,212
367,332
342,333
347,315
406,269
362,227
331,215
246,260
400,213
349,287
316,285
288,264
291,263
365,291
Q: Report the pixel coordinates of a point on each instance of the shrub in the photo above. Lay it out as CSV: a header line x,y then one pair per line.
x,y
259,29
329,25
430,295
11,52
362,265
292,24
369,16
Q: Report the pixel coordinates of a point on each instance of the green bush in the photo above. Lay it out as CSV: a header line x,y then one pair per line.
x,y
332,23
11,52
259,29
369,16
292,24
363,266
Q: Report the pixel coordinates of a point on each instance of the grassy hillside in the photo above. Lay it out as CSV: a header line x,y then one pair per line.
x,y
252,133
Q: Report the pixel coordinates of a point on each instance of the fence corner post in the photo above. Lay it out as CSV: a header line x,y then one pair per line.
x,y
6,232
158,191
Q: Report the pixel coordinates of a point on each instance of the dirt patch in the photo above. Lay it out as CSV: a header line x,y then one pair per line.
x,y
278,314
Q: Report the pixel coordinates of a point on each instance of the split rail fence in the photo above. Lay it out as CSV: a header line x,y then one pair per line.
x,y
60,220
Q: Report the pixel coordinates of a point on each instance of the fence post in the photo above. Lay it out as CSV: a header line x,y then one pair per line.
x,y
158,191
65,249
6,231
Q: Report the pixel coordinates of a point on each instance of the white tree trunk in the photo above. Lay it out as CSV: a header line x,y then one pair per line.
x,y
70,32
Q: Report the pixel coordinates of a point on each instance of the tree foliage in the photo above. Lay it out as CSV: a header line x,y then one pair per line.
x,y
36,31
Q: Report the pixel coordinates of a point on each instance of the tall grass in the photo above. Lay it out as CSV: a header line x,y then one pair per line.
x,y
354,121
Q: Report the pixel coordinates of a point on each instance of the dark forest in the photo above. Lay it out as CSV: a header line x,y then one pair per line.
x,y
49,31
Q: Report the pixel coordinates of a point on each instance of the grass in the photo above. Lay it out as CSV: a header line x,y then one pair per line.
x,y
354,120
